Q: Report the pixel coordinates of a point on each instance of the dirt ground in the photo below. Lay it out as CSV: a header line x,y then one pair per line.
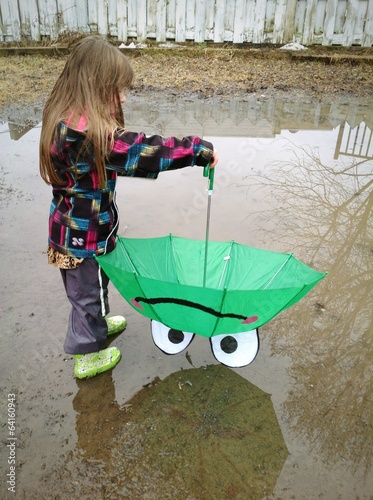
x,y
205,72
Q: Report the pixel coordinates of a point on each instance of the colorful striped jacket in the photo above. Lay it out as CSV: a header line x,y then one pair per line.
x,y
83,219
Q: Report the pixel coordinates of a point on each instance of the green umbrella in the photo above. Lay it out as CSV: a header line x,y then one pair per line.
x,y
208,288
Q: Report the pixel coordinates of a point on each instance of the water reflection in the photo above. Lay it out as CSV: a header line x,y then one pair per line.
x,y
20,120
97,411
249,117
355,142
325,210
200,433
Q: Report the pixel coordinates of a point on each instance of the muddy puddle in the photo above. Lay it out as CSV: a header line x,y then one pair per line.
x,y
292,177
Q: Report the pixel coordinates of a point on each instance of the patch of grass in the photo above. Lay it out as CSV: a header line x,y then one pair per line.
x,y
208,71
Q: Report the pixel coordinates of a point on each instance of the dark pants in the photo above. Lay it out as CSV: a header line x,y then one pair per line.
x,y
87,290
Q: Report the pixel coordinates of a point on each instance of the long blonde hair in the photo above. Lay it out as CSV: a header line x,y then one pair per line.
x,y
89,85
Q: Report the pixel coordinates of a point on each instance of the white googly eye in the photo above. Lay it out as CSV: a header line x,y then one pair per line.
x,y
168,340
235,350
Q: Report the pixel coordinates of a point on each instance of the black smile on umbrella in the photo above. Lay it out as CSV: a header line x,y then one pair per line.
x,y
182,302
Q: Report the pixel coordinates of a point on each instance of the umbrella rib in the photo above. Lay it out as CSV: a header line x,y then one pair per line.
x,y
271,280
221,305
227,259
174,255
128,257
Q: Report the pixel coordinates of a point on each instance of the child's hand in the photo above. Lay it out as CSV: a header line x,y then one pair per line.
x,y
214,159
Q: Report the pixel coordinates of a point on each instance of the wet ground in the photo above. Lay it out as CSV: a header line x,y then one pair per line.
x,y
294,175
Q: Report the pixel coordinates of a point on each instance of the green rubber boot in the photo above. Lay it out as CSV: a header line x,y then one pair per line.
x,y
89,365
116,324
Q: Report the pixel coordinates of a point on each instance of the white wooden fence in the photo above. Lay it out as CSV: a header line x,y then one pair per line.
x,y
309,22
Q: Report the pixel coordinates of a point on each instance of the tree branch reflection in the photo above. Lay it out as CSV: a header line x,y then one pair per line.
x,y
324,212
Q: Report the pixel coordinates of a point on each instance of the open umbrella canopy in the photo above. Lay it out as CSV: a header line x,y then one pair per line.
x,y
240,289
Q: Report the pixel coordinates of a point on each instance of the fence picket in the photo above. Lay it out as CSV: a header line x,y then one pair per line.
x,y
180,21
331,9
260,11
289,24
279,22
219,21
309,22
200,27
142,20
239,21
351,16
367,38
102,16
161,21
122,19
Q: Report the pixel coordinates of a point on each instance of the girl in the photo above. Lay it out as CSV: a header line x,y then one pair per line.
x,y
83,146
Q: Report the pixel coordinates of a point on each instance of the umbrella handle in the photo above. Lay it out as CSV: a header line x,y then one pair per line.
x,y
209,172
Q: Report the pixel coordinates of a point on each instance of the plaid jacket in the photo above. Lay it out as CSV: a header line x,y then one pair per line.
x,y
83,219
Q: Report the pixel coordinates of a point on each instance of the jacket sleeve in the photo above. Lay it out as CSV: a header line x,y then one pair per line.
x,y
135,154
